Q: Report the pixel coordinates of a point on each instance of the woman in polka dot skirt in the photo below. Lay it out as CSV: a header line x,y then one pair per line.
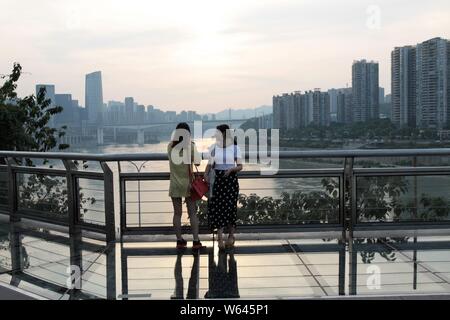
x,y
226,161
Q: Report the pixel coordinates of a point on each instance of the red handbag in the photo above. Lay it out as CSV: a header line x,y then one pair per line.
x,y
199,187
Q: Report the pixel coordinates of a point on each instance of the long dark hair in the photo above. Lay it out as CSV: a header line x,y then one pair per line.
x,y
184,126
224,129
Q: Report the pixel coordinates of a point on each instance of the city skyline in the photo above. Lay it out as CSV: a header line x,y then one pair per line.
x,y
210,56
421,84
359,103
420,92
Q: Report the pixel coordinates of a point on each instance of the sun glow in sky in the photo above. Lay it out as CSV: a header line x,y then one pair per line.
x,y
208,55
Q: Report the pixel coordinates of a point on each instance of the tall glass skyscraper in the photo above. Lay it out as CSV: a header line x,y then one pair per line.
x,y
366,92
403,69
67,115
129,109
94,96
49,94
432,88
420,85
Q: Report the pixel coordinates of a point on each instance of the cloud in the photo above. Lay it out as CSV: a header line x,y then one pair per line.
x,y
67,45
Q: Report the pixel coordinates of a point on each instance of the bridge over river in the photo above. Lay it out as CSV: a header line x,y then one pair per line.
x,y
152,131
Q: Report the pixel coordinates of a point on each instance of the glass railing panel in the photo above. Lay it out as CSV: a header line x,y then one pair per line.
x,y
93,280
148,204
288,201
48,264
43,195
91,201
261,201
403,198
400,266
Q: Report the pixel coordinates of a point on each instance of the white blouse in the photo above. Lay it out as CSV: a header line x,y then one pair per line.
x,y
224,158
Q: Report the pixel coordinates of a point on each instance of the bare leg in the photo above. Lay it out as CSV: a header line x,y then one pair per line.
x,y
177,211
192,211
231,238
220,238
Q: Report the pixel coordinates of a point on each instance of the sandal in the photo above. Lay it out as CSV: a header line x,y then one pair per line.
x,y
181,244
197,245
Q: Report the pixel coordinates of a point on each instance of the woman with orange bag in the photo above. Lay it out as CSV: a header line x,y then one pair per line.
x,y
180,182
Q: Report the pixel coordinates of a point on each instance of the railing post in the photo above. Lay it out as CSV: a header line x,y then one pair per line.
x,y
14,236
415,211
353,267
342,268
414,163
72,197
123,207
350,218
75,237
342,210
15,240
350,193
111,293
109,202
123,201
124,269
12,191
76,262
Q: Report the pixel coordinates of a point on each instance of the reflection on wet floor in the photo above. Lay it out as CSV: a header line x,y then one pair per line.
x,y
38,261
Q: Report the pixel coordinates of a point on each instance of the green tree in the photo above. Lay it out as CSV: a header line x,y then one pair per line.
x,y
24,122
25,126
290,208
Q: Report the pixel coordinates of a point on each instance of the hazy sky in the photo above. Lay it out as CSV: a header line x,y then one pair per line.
x,y
208,55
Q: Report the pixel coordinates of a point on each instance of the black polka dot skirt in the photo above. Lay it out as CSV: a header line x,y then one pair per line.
x,y
222,206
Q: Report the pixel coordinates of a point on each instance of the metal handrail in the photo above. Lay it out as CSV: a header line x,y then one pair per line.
x,y
348,153
347,173
281,173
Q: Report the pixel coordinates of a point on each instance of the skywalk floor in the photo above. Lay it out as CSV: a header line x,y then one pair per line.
x,y
45,263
